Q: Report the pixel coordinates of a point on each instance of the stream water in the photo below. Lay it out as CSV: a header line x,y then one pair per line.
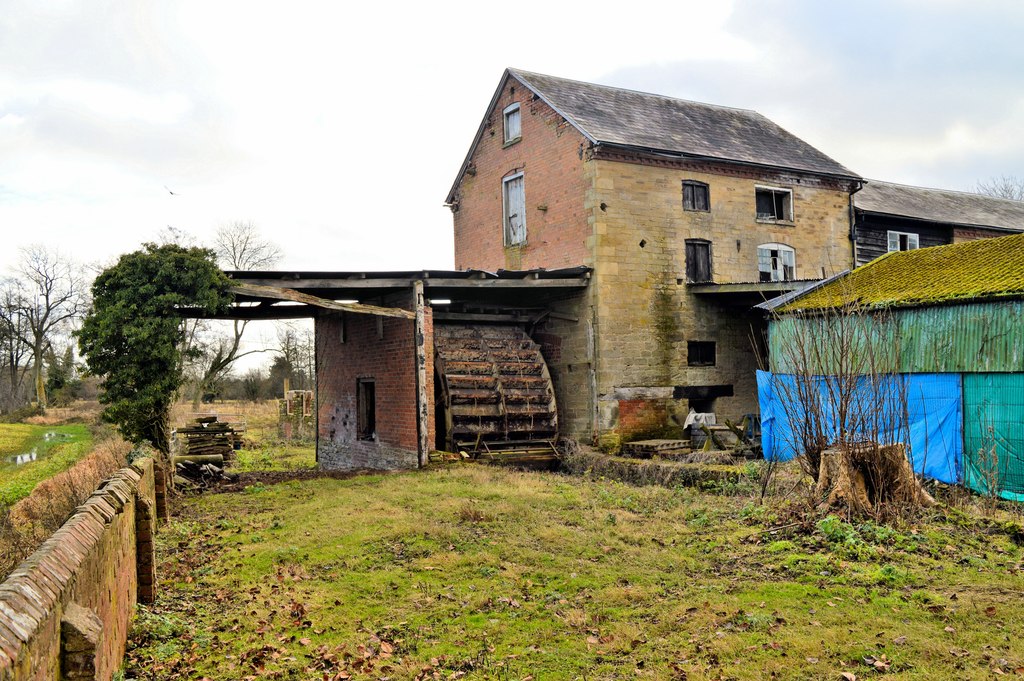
x,y
19,459
13,461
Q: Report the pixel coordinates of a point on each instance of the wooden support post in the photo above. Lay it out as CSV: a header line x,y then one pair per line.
x,y
419,337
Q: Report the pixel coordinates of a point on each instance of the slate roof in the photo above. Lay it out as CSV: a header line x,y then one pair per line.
x,y
973,270
609,115
649,122
940,205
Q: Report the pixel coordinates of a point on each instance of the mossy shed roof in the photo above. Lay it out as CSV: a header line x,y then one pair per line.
x,y
974,270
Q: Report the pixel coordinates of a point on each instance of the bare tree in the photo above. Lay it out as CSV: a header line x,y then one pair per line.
x,y
239,246
52,296
296,347
14,351
1003,187
839,385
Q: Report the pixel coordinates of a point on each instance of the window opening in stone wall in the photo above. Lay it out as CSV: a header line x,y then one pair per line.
x,y
513,123
776,262
903,241
695,196
514,206
700,353
698,260
774,204
366,409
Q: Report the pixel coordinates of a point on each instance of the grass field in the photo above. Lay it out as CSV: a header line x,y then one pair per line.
x,y
51,448
275,456
483,573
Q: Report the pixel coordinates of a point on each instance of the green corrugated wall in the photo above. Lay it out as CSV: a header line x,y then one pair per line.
x,y
994,433
978,337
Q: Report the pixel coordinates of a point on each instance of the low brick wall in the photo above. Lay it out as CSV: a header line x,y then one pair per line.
x,y
65,611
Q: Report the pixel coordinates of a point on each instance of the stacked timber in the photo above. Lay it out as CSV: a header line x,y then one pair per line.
x,y
206,440
665,449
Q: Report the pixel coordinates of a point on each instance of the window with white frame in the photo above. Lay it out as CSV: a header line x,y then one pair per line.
x,y
776,262
773,203
903,241
513,192
513,123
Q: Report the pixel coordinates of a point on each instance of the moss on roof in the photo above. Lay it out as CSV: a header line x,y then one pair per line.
x,y
973,270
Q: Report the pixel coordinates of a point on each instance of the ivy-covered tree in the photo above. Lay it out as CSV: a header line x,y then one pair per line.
x,y
132,337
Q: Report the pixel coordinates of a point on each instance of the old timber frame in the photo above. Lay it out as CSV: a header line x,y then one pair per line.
x,y
381,402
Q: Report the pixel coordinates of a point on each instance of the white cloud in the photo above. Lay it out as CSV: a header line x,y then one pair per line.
x,y
338,128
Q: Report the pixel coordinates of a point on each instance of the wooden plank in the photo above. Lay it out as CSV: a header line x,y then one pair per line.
x,y
422,410
279,293
403,283
479,317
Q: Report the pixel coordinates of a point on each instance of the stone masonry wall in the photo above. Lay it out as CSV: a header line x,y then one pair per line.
x,y
65,611
566,338
550,154
645,312
390,362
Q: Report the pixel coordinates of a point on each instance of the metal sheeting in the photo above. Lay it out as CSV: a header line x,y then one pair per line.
x,y
994,434
976,337
846,345
921,409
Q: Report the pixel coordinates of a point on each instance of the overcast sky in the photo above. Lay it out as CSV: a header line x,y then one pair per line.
x,y
338,128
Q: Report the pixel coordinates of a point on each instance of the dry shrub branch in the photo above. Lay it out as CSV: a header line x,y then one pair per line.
x,y
847,405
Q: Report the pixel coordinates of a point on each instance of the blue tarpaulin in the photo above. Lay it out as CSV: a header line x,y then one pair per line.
x,y
933,405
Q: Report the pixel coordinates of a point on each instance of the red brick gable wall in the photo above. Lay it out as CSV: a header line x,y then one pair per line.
x,y
961,234
550,156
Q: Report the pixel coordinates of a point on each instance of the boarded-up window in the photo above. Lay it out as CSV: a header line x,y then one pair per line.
x,y
774,204
698,260
776,262
366,409
903,241
695,196
514,194
513,123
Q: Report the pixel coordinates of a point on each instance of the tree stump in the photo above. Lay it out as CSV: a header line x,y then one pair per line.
x,y
865,476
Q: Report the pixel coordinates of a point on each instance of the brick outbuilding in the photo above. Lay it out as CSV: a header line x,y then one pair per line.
x,y
380,400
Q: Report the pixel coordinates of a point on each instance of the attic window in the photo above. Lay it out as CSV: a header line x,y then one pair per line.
x,y
774,204
695,196
903,241
513,123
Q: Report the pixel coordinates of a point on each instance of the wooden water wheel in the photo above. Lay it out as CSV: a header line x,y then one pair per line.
x,y
493,389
